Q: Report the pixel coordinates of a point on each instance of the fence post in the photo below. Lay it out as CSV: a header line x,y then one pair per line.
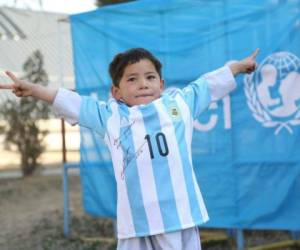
x,y
238,235
240,239
66,200
66,196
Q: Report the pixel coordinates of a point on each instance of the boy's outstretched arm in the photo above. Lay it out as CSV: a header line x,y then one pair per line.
x,y
22,88
221,81
246,65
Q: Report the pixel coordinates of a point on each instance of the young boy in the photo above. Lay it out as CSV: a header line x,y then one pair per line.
x,y
149,134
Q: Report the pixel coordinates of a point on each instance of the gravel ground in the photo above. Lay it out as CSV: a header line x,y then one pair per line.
x,y
31,218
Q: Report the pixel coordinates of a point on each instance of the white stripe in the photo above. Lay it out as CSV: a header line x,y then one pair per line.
x,y
188,138
145,172
124,217
177,174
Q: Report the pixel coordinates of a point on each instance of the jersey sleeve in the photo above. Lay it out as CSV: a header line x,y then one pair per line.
x,y
208,88
85,111
197,96
94,114
220,82
66,105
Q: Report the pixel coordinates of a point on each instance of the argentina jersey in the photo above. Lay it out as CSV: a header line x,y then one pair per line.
x,y
150,147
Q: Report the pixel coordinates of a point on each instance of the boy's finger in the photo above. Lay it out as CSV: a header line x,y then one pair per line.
x,y
6,86
254,54
11,76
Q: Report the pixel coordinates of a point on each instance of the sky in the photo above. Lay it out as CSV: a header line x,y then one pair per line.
x,y
60,6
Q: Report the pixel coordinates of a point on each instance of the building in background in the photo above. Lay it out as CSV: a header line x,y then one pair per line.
x,y
21,33
24,31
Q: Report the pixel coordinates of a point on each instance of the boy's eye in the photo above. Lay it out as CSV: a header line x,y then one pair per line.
x,y
131,79
151,77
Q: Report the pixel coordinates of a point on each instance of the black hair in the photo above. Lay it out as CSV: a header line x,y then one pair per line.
x,y
128,57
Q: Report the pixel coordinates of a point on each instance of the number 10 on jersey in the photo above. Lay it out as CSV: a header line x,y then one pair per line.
x,y
160,141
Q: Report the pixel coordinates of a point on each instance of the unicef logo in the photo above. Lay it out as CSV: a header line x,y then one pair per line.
x,y
273,92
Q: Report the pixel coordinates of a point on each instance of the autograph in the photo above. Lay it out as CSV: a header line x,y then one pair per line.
x,y
118,141
129,157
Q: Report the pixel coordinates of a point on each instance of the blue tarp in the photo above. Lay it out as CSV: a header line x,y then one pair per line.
x,y
246,148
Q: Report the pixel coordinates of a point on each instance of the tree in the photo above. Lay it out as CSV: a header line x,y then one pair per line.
x,y
100,3
22,115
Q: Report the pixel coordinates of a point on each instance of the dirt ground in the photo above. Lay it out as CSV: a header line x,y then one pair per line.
x,y
31,218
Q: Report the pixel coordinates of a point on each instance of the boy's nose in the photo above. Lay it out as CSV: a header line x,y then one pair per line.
x,y
144,83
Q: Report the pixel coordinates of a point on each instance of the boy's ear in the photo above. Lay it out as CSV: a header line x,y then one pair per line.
x,y
115,92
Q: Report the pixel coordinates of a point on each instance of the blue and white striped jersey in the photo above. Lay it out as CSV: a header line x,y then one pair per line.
x,y
151,153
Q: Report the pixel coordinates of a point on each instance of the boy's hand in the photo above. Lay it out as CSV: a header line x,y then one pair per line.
x,y
247,65
19,87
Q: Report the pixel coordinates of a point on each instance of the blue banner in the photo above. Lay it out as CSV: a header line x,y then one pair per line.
x,y
246,147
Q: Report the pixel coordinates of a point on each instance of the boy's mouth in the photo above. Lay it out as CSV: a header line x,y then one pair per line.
x,y
144,95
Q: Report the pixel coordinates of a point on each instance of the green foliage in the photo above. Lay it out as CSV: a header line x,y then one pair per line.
x,y
100,3
22,114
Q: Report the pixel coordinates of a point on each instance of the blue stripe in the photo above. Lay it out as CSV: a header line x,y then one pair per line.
x,y
187,168
160,166
131,178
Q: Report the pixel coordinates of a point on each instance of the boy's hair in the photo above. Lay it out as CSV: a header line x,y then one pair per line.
x,y
131,56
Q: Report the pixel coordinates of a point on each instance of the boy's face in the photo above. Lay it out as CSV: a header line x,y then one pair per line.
x,y
140,84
